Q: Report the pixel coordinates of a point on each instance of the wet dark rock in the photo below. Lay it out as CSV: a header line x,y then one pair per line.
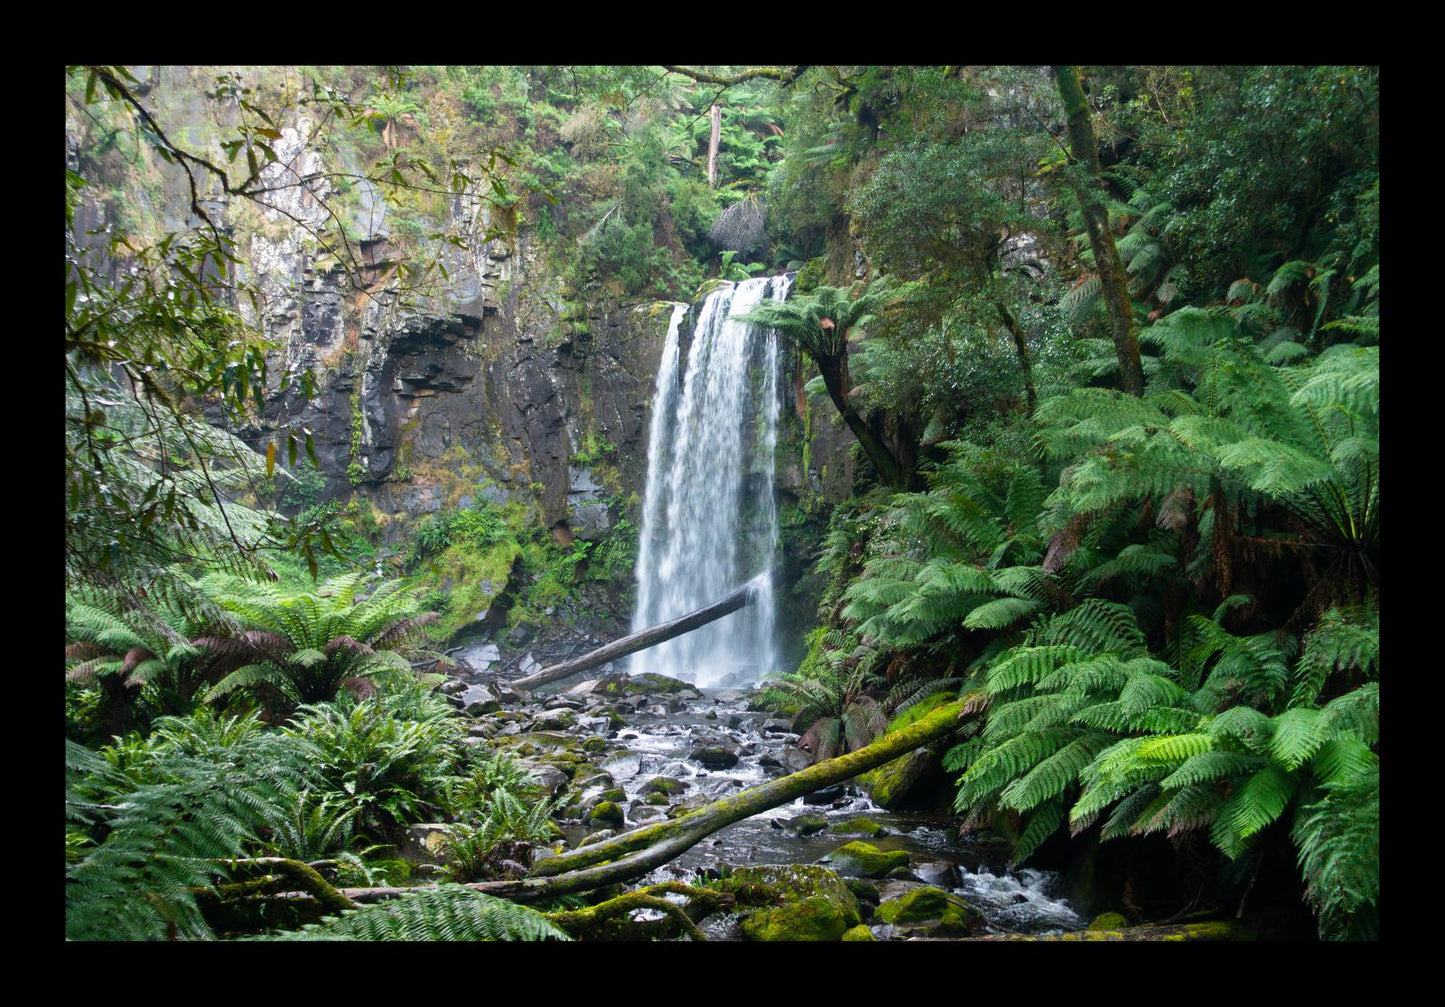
x,y
479,700
795,759
511,695
549,778
825,796
664,785
939,873
809,823
714,756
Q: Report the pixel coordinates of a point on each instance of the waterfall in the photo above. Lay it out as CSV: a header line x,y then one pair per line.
x,y
709,520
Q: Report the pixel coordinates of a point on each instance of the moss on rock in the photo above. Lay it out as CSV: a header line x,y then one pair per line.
x,y
859,933
664,785
864,860
951,914
606,811
1108,921
798,882
891,783
812,919
860,826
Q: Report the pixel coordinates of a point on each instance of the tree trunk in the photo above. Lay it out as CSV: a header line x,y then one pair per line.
x,y
650,637
712,141
1021,346
1113,281
835,379
629,856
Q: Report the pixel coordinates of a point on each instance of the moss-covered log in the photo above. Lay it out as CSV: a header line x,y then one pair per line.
x,y
634,854
611,920
708,819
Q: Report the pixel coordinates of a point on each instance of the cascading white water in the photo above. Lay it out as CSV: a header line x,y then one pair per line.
x,y
709,521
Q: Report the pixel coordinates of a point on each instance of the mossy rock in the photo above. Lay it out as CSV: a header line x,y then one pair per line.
x,y
594,745
1108,921
664,785
951,914
859,826
864,860
555,720
799,882
866,892
616,794
859,933
656,798
891,785
606,811
812,919
646,684
807,824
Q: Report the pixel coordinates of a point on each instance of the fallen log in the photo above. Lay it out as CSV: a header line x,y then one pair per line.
x,y
649,637
1209,930
630,856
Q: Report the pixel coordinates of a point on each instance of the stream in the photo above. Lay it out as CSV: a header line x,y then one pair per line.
x,y
666,736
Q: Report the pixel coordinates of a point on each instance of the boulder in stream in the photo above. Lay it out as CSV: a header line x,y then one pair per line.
x,y
938,912
714,756
864,860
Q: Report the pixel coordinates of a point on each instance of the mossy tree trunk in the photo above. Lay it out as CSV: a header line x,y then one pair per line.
x,y
1113,281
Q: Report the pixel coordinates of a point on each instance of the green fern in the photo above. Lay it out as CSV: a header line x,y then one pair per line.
x,y
443,913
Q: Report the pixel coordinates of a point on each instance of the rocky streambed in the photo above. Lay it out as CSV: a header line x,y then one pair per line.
x,y
619,752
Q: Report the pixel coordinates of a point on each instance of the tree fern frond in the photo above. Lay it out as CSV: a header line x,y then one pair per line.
x,y
1041,824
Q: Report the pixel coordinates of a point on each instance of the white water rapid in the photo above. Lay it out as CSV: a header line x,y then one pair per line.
x,y
709,521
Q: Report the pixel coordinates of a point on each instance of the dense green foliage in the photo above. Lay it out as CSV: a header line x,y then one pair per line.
x,y
1163,608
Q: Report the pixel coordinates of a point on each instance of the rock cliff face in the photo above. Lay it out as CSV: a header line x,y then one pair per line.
x,y
491,384
503,393
483,379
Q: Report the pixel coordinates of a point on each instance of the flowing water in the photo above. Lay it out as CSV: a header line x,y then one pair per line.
x,y
709,520
660,741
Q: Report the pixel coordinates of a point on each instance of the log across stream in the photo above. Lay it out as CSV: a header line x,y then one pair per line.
x,y
750,812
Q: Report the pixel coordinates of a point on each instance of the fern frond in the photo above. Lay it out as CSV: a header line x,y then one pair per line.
x,y
444,913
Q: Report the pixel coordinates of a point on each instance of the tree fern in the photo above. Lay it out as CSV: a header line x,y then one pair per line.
x,y
1338,836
